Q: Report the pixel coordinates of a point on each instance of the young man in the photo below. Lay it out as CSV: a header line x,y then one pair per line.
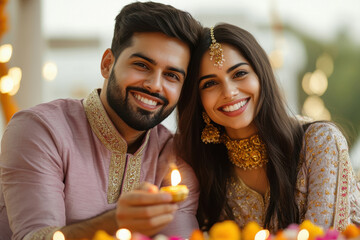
x,y
80,165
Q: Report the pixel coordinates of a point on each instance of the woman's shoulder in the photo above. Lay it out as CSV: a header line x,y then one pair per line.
x,y
323,143
319,129
324,132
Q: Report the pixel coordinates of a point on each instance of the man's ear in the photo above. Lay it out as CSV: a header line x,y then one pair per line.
x,y
107,62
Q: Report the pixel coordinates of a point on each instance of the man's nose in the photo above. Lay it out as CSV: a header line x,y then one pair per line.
x,y
154,82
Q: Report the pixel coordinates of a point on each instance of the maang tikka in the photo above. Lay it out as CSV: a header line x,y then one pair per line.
x,y
210,133
216,51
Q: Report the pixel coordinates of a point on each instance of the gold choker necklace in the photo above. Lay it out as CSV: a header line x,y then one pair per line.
x,y
248,153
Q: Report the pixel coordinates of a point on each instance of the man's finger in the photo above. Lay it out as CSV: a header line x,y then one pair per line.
x,y
146,211
145,225
148,187
139,197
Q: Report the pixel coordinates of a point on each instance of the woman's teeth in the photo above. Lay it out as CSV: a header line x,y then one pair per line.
x,y
234,107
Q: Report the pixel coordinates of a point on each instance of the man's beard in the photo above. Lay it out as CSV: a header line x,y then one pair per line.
x,y
135,117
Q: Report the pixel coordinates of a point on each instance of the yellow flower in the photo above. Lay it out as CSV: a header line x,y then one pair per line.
x,y
102,235
250,230
227,230
314,230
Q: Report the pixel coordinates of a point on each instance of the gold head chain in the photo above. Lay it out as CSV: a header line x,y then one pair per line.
x,y
216,51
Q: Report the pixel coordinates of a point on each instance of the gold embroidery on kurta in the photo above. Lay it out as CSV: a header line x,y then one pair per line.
x,y
132,175
112,140
44,233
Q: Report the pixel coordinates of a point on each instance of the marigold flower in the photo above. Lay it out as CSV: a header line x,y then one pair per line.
x,y
227,230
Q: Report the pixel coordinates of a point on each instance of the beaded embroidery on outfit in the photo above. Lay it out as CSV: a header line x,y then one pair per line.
x,y
326,189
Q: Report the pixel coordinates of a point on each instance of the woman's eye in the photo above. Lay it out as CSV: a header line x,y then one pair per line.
x,y
208,84
240,74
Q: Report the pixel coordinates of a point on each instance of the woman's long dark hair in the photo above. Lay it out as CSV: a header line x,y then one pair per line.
x,y
280,132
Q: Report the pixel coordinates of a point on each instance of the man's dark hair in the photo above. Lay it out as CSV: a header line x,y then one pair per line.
x,y
153,17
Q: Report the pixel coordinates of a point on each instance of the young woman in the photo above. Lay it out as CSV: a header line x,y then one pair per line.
x,y
254,162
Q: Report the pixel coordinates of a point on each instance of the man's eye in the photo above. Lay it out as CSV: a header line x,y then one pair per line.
x,y
141,65
173,76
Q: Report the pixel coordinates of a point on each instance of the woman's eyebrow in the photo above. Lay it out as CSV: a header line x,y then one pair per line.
x,y
235,66
206,76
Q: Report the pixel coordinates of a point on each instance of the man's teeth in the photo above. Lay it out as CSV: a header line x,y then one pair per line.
x,y
235,107
145,100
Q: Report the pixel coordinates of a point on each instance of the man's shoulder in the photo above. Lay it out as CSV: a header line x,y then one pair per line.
x,y
56,115
55,109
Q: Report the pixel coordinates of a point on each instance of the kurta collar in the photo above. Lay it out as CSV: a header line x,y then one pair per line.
x,y
103,126
105,130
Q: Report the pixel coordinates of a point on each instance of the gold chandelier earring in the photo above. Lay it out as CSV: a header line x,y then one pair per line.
x,y
210,133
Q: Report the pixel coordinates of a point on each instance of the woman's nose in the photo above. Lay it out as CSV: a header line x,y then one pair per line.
x,y
230,90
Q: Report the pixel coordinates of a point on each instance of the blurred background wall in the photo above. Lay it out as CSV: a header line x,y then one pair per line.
x,y
314,46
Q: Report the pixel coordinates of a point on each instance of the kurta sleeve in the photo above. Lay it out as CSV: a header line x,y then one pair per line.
x,y
32,177
328,174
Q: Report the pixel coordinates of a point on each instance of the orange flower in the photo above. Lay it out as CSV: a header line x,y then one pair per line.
x,y
227,230
250,230
197,235
351,231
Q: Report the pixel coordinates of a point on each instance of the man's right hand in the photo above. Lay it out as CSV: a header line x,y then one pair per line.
x,y
145,210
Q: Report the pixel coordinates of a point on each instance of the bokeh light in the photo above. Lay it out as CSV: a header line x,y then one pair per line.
x,y
303,235
5,53
58,236
276,58
325,63
314,107
318,83
306,83
6,84
49,71
123,234
15,73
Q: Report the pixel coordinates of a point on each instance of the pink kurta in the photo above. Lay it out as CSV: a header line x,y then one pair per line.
x,y
326,190
64,161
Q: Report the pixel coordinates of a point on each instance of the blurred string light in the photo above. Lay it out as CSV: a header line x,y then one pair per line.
x,y
5,53
58,235
7,82
15,74
276,57
314,107
49,71
325,63
123,234
315,85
